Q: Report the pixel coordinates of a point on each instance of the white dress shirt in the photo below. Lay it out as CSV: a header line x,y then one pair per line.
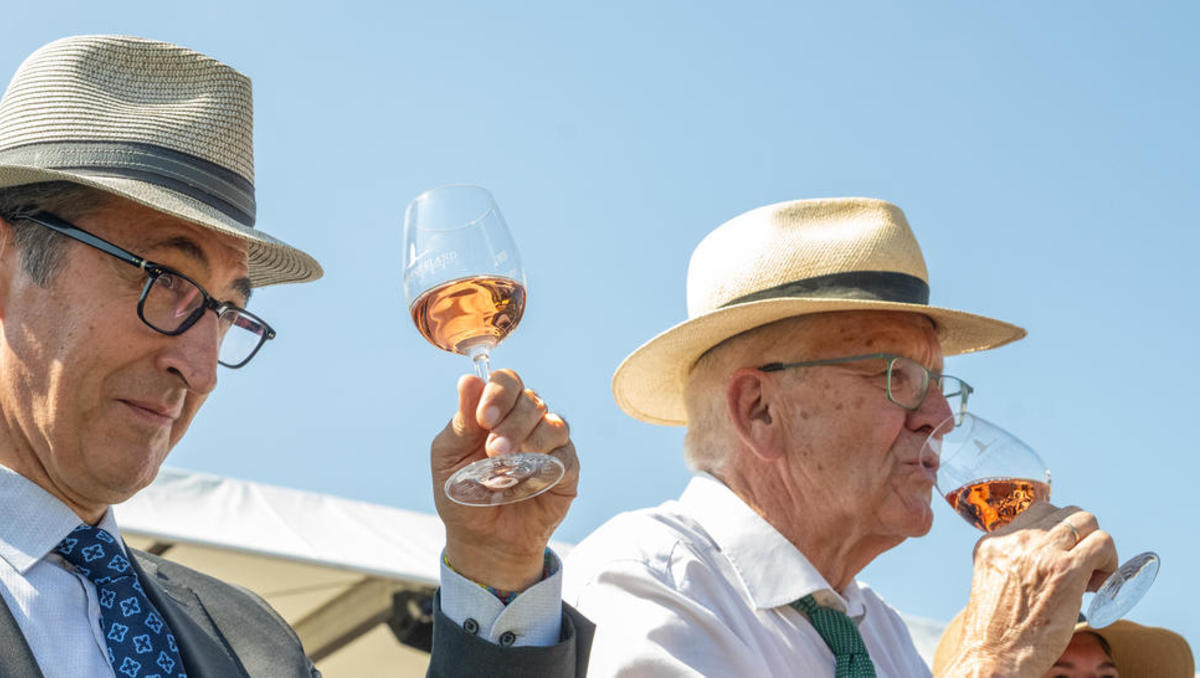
x,y
56,609
701,587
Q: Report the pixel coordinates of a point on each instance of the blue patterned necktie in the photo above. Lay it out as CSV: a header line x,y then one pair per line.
x,y
842,636
139,643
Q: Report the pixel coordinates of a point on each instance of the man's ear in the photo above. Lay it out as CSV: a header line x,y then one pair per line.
x,y
750,400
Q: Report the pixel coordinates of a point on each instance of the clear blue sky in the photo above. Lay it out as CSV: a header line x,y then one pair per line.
x,y
1045,153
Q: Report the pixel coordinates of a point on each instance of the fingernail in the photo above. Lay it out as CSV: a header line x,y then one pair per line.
x,y
501,445
491,415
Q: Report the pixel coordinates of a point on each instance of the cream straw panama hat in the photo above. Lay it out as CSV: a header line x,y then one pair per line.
x,y
1138,651
790,259
156,123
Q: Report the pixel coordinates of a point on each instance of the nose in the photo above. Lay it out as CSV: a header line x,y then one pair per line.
x,y
193,355
933,410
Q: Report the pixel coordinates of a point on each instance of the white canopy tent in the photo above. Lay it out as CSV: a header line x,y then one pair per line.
x,y
330,566
352,578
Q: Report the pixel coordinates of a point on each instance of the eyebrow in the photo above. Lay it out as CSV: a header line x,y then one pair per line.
x,y
242,286
1068,665
188,247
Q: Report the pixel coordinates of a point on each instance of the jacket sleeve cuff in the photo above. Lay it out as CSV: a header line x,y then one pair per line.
x,y
534,618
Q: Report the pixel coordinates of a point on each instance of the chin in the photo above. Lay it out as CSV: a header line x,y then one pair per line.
x,y
924,528
126,477
916,519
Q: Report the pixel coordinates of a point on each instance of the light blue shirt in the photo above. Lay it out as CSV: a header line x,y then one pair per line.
x,y
56,609
534,618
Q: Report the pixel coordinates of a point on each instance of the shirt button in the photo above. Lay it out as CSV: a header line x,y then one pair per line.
x,y
508,638
471,626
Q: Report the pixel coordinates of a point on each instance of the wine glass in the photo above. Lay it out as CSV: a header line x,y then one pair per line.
x,y
466,291
989,477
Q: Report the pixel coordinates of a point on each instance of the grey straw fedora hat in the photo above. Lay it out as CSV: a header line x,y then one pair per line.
x,y
789,259
156,123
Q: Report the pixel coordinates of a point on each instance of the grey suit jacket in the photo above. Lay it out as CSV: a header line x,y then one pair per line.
x,y
227,632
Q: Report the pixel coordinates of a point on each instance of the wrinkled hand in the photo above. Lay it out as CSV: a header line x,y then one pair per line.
x,y
501,546
1029,581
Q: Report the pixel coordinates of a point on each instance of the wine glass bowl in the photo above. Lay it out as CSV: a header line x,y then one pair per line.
x,y
466,292
989,476
462,274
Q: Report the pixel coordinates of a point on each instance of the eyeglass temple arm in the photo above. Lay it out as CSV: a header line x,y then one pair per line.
x,y
967,390
75,233
777,367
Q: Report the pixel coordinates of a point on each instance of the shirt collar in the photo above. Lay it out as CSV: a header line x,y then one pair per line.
x,y
35,521
773,570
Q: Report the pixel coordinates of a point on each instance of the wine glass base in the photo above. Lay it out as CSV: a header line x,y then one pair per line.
x,y
1123,589
504,479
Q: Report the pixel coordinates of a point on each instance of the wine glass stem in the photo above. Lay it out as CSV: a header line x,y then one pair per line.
x,y
483,366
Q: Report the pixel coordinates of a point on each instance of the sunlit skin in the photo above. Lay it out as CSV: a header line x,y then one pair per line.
x,y
833,464
92,399
1084,658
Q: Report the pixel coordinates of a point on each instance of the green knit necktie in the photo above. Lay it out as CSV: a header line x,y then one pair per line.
x,y
842,637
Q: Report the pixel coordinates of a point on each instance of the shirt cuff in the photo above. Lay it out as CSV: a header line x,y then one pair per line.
x,y
534,618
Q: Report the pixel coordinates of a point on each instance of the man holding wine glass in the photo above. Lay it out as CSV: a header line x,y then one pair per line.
x,y
128,253
809,376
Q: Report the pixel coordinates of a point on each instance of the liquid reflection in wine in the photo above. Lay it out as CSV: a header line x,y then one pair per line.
x,y
462,313
993,503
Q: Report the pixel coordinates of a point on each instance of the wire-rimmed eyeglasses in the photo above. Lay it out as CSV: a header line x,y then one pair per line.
x,y
907,380
171,303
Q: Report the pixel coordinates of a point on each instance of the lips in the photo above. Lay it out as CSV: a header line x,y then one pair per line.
x,y
158,410
929,471
922,464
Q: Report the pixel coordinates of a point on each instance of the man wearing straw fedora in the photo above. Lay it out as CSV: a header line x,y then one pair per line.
x,y
128,252
809,377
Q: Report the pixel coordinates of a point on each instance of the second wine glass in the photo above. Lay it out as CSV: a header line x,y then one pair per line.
x,y
466,292
990,476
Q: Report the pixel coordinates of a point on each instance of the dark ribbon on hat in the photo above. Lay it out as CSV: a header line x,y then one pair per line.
x,y
860,285
218,187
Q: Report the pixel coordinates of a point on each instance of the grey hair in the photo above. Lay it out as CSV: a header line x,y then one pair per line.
x,y
706,443
41,248
709,438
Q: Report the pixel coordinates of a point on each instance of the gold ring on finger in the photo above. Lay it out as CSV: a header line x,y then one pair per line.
x,y
1074,531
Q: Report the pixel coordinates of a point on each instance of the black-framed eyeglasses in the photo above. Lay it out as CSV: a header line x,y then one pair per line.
x,y
171,303
907,380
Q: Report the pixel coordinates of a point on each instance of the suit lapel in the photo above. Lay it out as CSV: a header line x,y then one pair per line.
x,y
201,645
16,659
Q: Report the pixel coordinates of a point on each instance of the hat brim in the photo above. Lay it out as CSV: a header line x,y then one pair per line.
x,y
1146,650
649,383
271,261
1138,651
